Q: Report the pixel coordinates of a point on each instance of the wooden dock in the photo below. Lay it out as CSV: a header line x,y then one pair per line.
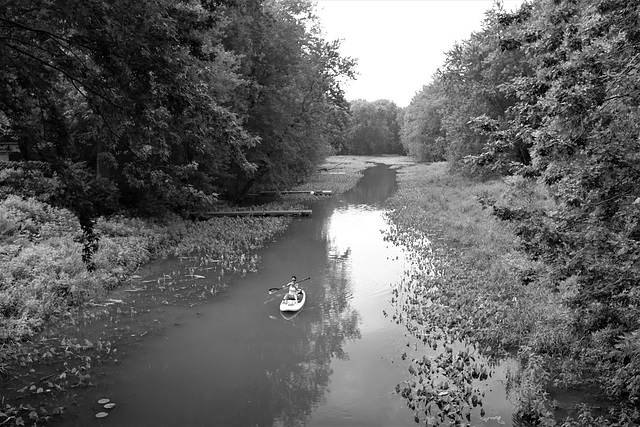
x,y
296,212
277,193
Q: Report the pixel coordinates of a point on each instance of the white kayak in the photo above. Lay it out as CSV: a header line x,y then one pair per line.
x,y
291,304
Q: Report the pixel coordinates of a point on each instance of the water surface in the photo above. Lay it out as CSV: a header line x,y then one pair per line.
x,y
234,359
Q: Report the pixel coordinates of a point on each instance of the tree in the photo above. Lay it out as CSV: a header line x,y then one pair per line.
x,y
133,90
477,106
579,113
291,96
373,129
422,134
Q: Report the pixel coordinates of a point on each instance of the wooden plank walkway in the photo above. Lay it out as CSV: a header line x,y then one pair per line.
x,y
296,212
275,193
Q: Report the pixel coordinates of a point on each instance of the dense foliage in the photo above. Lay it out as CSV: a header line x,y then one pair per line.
x,y
291,96
450,118
422,132
374,128
550,92
164,105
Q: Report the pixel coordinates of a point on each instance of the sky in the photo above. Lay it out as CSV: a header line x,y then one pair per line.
x,y
399,44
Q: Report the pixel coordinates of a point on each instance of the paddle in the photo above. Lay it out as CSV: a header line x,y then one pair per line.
x,y
273,290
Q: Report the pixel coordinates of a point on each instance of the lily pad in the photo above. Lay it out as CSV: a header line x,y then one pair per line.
x,y
103,401
109,406
101,414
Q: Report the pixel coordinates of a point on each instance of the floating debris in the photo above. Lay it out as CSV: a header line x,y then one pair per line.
x,y
103,401
101,414
109,406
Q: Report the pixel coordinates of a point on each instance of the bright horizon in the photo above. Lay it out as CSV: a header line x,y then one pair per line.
x,y
399,44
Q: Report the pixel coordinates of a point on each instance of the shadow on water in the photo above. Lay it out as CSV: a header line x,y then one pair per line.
x,y
182,350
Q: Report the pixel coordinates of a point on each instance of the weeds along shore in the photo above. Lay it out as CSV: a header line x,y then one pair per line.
x,y
473,261
469,282
43,278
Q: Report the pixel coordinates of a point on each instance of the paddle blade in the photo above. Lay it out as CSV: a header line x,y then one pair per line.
x,y
274,290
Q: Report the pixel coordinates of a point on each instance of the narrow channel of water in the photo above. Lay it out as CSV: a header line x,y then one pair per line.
x,y
236,360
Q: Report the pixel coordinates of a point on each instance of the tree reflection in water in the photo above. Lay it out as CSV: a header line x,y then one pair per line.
x,y
298,388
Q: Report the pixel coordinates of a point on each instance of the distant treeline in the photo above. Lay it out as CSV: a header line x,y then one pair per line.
x,y
373,128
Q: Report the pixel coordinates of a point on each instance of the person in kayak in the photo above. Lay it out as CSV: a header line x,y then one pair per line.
x,y
293,289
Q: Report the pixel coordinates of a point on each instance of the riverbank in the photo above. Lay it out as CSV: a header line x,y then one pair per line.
x,y
466,276
469,283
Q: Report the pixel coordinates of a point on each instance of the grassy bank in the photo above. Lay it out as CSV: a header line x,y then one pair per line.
x,y
470,282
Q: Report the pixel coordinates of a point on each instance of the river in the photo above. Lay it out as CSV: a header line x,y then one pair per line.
x,y
234,359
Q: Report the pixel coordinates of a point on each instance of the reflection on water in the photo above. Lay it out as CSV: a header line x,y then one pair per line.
x,y
235,360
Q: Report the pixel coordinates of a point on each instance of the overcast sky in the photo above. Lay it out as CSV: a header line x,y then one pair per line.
x,y
399,44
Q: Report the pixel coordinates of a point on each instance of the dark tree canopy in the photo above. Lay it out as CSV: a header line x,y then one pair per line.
x,y
374,128
422,131
156,106
168,104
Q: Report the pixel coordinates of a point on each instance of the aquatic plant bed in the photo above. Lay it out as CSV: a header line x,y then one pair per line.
x,y
469,287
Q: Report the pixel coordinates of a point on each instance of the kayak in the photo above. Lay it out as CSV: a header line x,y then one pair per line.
x,y
292,305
